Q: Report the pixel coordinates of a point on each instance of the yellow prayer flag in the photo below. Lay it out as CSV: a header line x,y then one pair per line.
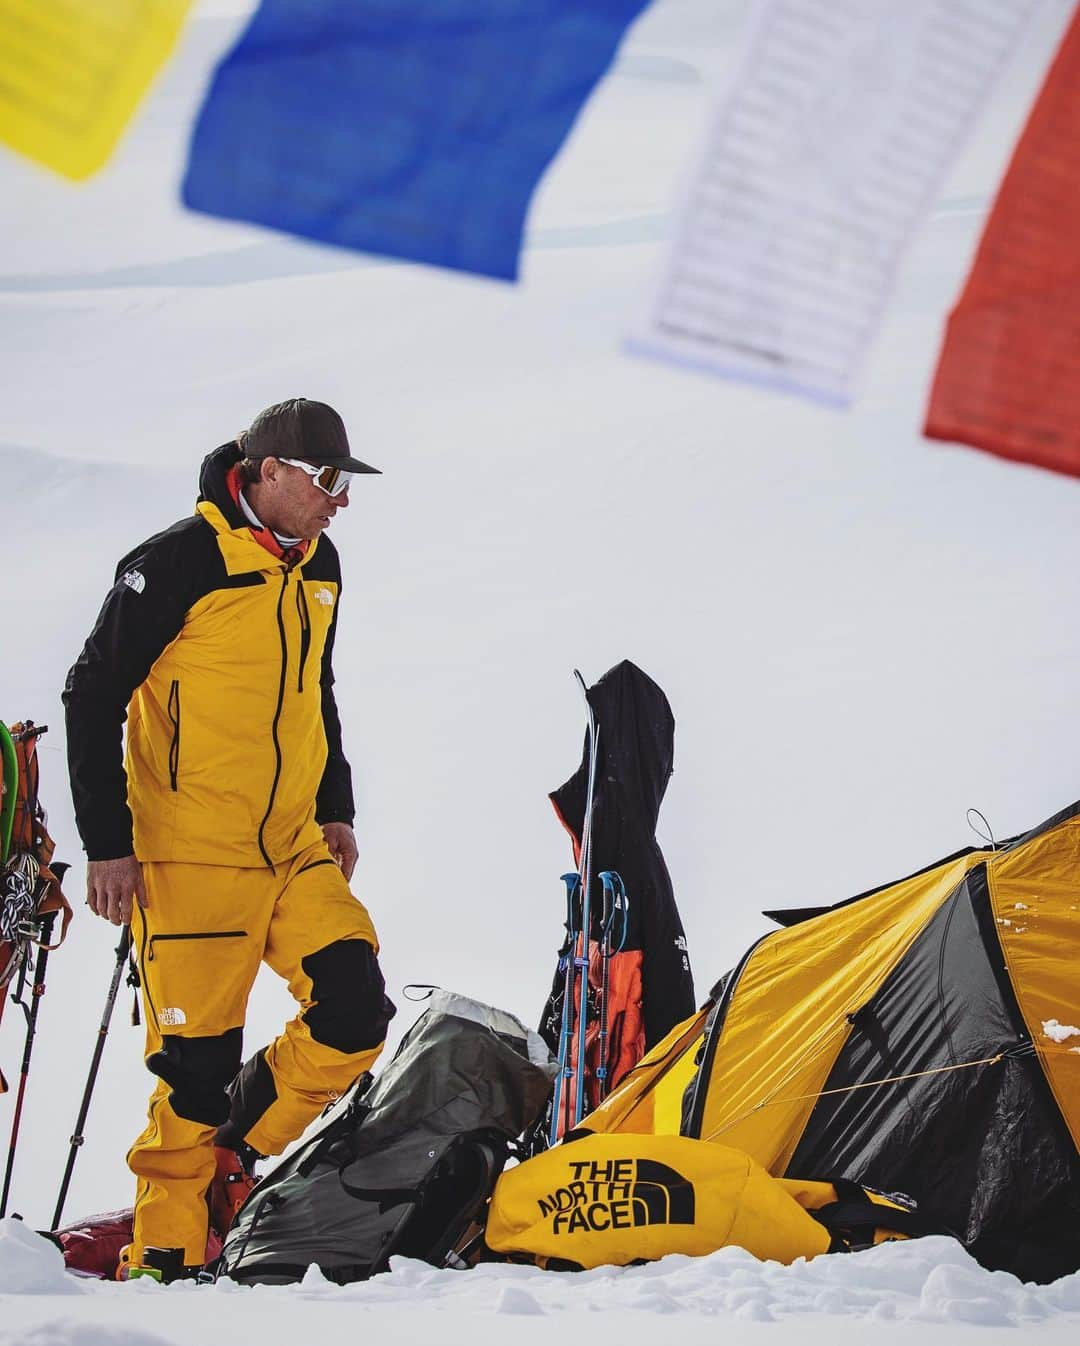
x,y
73,71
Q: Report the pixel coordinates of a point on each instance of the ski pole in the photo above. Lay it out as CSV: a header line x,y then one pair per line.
x,y
561,1096
43,934
122,951
607,878
616,902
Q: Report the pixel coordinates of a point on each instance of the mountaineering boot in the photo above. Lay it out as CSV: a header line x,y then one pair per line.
x,y
164,1265
230,1186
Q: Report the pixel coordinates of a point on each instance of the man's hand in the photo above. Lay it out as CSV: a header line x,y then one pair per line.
x,y
342,842
111,885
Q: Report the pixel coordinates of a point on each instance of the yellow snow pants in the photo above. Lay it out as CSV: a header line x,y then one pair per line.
x,y
199,943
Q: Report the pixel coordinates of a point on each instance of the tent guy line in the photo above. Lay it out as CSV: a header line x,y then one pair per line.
x,y
850,1088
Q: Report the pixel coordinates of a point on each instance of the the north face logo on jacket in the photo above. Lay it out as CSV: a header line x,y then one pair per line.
x,y
619,1194
135,579
325,597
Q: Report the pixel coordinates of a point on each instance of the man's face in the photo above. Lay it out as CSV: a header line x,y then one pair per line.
x,y
293,505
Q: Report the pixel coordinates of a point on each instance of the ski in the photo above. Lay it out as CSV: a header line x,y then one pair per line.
x,y
567,970
585,870
570,1010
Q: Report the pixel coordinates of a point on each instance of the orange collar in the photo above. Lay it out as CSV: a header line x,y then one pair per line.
x,y
263,536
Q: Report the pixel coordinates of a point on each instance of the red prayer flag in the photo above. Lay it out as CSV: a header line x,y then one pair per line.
x,y
1008,378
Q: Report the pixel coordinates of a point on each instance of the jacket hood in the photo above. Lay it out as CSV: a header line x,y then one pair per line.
x,y
213,485
636,750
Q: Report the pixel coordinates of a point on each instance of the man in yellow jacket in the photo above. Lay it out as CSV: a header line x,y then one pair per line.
x,y
224,832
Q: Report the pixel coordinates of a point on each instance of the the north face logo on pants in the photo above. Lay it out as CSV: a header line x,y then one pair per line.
x,y
618,1194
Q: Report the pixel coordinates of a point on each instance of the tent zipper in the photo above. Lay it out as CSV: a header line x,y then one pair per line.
x,y
712,1040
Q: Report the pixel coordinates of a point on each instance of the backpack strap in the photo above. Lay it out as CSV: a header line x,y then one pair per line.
x,y
854,1218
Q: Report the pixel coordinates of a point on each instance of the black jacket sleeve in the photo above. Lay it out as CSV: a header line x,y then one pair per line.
x,y
143,612
334,801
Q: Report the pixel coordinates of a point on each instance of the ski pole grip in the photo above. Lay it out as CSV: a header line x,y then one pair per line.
x,y
608,878
30,732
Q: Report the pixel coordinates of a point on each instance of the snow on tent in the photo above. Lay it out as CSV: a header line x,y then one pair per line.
x,y
922,1038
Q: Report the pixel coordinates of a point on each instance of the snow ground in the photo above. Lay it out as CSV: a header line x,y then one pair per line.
x,y
862,634
930,1286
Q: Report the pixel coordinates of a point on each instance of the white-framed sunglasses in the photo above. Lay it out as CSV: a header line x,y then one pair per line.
x,y
330,480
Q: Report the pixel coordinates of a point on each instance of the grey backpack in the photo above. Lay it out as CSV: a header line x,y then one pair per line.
x,y
401,1165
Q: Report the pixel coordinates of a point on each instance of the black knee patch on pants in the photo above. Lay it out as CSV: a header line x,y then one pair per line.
x,y
250,1095
351,1011
197,1071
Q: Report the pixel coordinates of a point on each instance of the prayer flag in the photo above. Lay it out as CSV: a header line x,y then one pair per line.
x,y
819,164
1008,379
412,128
72,73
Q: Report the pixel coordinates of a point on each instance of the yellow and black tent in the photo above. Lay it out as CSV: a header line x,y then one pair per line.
x,y
923,1038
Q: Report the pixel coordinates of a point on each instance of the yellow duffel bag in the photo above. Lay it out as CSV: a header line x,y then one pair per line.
x,y
614,1199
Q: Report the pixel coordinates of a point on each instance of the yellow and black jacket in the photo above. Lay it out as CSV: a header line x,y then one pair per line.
x,y
218,653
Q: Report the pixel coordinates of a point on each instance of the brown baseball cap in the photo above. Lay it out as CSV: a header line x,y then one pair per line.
x,y
299,428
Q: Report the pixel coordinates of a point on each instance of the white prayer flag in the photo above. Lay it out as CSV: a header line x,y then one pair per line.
x,y
822,159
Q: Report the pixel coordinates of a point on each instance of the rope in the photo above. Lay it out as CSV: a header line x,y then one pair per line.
x,y
850,1088
428,988
17,897
988,834
814,1048
18,885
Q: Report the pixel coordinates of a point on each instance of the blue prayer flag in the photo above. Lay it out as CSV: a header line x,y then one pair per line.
x,y
412,128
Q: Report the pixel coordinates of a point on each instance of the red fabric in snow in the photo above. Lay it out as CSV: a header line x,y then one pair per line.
x,y
93,1246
